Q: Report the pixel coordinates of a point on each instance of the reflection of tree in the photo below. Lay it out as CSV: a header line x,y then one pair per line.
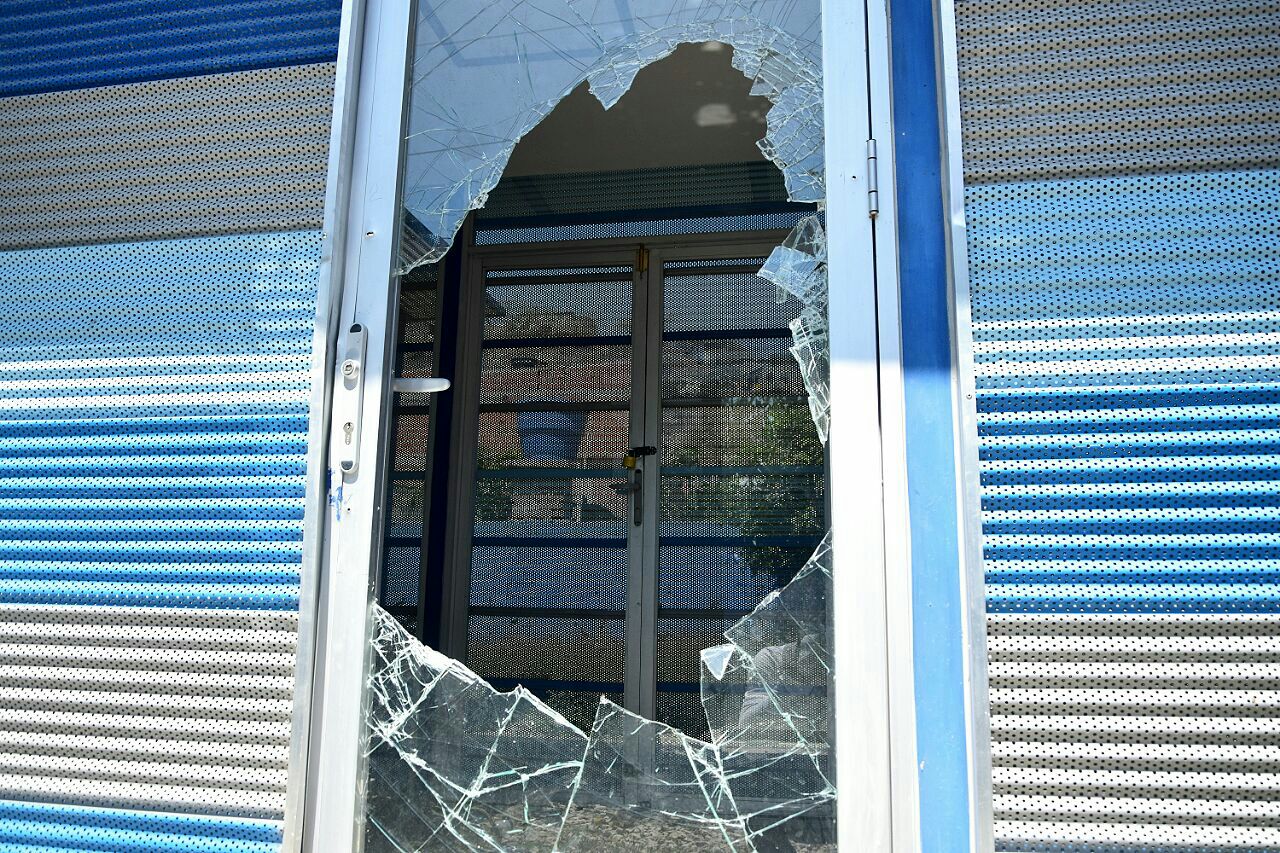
x,y
493,501
755,505
787,438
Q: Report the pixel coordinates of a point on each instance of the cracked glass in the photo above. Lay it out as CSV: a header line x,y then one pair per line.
x,y
456,764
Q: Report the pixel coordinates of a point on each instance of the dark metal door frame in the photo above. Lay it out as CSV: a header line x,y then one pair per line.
x,y
647,259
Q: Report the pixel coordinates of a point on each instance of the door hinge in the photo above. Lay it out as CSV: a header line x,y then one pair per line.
x,y
873,180
642,259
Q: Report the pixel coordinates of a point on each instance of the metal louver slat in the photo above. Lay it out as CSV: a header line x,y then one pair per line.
x,y
35,828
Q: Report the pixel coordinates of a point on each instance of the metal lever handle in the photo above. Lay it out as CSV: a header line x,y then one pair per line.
x,y
430,385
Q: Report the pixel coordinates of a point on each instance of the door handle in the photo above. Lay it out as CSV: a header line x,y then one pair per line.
x,y
635,485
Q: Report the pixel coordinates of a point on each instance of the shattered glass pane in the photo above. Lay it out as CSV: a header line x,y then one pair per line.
x,y
484,74
455,764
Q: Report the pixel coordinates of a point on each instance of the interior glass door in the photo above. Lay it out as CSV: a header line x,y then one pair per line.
x,y
742,477
644,472
551,565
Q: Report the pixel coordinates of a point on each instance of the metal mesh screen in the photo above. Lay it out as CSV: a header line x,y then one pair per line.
x,y
741,485
1121,201
549,569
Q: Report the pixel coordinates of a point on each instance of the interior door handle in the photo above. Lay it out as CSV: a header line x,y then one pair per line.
x,y
635,488
429,385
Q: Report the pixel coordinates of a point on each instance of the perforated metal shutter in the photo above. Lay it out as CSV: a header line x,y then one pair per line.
x,y
1122,164
160,228
215,154
152,460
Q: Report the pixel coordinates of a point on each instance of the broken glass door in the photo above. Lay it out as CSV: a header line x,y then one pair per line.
x,y
455,763
643,470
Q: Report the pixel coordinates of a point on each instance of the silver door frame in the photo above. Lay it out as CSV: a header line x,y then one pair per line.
x,y
640,668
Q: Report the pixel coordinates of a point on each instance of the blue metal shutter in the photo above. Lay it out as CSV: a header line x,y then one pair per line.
x,y
79,44
161,247
1122,201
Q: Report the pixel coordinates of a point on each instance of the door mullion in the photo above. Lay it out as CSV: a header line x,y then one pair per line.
x,y
651,400
636,659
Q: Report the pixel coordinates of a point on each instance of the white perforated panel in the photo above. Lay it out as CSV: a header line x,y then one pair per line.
x,y
220,153
151,708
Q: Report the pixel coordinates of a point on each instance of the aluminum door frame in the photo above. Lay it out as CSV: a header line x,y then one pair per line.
x,y
363,201
362,209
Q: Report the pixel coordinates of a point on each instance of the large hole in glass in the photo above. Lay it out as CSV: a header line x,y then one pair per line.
x,y
637,639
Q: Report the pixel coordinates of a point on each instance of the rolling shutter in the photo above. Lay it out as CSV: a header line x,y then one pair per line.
x,y
1122,168
160,209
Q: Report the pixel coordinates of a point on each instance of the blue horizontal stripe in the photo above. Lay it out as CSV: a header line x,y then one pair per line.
x,y
1243,499
1132,527
1103,398
136,428
119,511
75,44
268,407
1241,444
198,551
168,532
161,445
194,466
997,576
27,826
1170,474
1084,550
207,596
1130,599
157,487
1113,423
146,574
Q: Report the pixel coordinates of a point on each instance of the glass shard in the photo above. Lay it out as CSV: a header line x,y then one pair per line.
x,y
455,764
799,267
